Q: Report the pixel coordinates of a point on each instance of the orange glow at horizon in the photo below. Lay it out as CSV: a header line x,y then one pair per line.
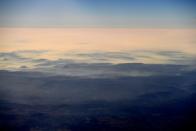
x,y
97,39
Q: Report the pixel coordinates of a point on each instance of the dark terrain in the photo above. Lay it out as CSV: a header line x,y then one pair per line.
x,y
32,101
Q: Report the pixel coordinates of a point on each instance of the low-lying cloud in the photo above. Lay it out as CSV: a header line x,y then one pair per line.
x,y
99,64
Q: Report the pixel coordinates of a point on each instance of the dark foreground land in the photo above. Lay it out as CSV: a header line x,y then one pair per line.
x,y
161,103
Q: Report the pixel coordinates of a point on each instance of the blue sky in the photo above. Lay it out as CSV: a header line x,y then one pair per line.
x,y
98,13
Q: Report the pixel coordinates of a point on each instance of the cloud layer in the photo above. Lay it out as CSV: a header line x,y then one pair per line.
x,y
99,64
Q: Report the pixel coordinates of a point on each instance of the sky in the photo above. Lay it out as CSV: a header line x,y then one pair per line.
x,y
111,28
98,13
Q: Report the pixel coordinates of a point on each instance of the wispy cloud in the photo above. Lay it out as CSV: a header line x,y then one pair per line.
x,y
99,64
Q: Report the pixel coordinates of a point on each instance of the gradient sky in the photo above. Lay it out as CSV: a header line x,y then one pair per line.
x,y
98,13
142,25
